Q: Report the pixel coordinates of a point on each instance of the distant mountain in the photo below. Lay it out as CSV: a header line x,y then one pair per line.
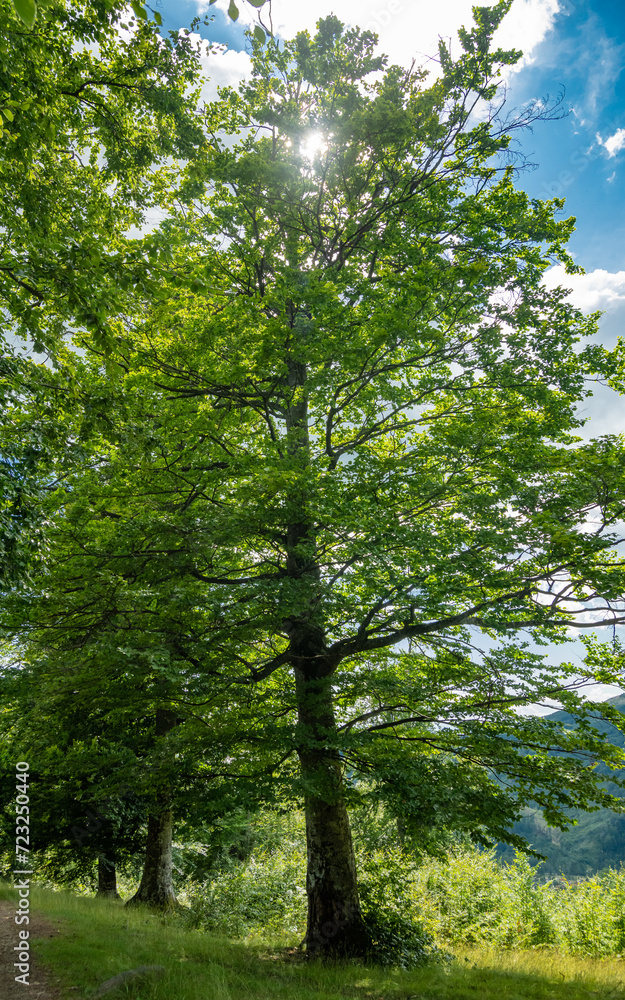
x,y
616,735
598,839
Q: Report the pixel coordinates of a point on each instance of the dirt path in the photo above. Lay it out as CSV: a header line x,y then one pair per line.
x,y
40,980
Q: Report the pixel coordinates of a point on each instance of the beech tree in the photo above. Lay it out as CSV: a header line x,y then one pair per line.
x,y
362,411
105,690
113,771
352,294
89,115
91,822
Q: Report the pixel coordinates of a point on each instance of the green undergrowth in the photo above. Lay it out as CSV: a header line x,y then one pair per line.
x,y
99,939
421,907
414,906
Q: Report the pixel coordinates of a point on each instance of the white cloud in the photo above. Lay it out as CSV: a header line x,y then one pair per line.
x,y
526,26
601,65
410,29
614,143
224,69
605,291
597,289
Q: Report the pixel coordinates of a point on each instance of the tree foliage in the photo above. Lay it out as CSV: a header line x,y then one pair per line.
x,y
338,486
92,108
26,11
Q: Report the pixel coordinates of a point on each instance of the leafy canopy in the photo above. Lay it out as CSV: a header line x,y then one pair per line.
x,y
344,470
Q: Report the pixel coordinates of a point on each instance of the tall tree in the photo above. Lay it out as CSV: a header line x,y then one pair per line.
x,y
82,772
93,104
362,417
359,314
105,684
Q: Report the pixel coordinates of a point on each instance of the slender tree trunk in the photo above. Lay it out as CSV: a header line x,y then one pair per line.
x,y
156,888
335,927
107,876
401,830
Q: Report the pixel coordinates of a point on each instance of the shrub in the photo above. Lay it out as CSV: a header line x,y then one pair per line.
x,y
263,895
413,910
473,900
397,936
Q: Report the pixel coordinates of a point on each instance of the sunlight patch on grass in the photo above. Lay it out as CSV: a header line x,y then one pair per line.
x,y
600,974
101,938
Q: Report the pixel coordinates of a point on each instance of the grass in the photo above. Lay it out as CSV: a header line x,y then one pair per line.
x,y
99,939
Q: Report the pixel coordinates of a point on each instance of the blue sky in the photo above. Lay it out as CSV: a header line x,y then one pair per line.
x,y
583,55
575,48
222,30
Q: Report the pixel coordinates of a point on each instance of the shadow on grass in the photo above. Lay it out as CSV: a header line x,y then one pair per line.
x,y
100,938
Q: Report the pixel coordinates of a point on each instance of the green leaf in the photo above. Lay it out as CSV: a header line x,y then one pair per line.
x,y
259,35
158,18
257,3
8,114
26,10
139,11
233,11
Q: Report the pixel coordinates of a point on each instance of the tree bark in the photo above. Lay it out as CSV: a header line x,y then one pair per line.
x,y
156,888
107,876
335,927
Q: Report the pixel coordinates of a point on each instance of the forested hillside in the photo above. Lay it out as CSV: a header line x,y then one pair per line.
x,y
596,842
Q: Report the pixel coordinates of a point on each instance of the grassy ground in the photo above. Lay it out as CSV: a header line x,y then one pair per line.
x,y
100,939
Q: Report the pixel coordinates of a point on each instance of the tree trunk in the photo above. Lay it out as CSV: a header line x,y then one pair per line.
x,y
335,926
107,877
156,888
401,830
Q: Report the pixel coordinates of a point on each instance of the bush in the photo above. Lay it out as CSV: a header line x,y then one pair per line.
x,y
590,915
413,910
397,937
263,895
470,899
473,900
